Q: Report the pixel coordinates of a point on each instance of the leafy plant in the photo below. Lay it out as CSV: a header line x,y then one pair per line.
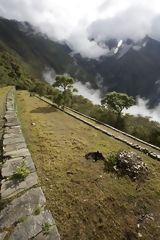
x,y
37,210
111,160
46,227
21,219
22,171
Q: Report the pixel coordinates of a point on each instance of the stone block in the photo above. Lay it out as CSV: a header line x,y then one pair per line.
x,y
10,166
22,206
10,124
24,152
12,135
11,187
14,129
13,140
14,147
31,226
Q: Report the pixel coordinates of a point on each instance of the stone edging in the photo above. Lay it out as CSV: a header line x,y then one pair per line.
x,y
135,146
19,220
115,129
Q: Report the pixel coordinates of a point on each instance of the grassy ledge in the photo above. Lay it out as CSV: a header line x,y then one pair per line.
x,y
86,201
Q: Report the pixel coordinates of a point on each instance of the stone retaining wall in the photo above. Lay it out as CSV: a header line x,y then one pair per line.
x,y
115,129
135,146
24,216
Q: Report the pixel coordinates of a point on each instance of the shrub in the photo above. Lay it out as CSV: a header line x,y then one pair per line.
x,y
22,171
111,160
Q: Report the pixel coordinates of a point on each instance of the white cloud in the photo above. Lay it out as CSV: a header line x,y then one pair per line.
x,y
142,109
86,91
70,20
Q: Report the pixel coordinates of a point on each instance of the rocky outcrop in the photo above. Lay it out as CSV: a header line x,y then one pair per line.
x,y
19,219
130,164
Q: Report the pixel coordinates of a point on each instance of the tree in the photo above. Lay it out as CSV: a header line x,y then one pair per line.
x,y
116,102
66,83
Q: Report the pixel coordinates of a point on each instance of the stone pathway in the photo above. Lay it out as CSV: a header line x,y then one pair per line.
x,y
25,216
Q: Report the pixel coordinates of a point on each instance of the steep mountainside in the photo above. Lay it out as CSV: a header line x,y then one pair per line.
x,y
136,72
37,51
129,67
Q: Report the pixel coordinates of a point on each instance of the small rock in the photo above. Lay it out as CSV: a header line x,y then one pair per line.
x,y
33,124
138,225
140,235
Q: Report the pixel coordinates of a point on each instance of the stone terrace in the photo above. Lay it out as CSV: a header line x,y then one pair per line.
x,y
19,219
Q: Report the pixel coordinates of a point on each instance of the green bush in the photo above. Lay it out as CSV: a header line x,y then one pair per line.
x,y
22,171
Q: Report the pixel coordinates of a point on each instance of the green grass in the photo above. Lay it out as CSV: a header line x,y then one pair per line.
x,y
3,93
21,219
46,228
37,210
86,201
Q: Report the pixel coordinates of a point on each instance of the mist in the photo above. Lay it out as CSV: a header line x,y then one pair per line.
x,y
49,75
141,109
76,22
93,95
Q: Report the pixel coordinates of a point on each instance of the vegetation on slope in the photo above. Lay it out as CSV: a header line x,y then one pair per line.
x,y
37,51
3,94
87,201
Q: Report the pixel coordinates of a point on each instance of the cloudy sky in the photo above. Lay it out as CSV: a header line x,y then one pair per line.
x,y
77,21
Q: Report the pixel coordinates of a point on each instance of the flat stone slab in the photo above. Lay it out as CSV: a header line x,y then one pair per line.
x,y
10,124
24,152
13,140
12,119
12,135
10,114
22,206
10,109
52,235
10,166
11,187
14,129
2,235
14,147
31,226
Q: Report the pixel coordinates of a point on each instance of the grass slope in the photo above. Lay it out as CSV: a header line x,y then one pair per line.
x,y
87,202
3,93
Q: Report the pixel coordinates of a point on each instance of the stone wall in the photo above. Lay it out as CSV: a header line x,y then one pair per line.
x,y
24,215
129,143
115,129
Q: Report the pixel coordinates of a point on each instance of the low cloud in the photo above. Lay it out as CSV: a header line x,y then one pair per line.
x,y
76,22
49,75
86,91
142,109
